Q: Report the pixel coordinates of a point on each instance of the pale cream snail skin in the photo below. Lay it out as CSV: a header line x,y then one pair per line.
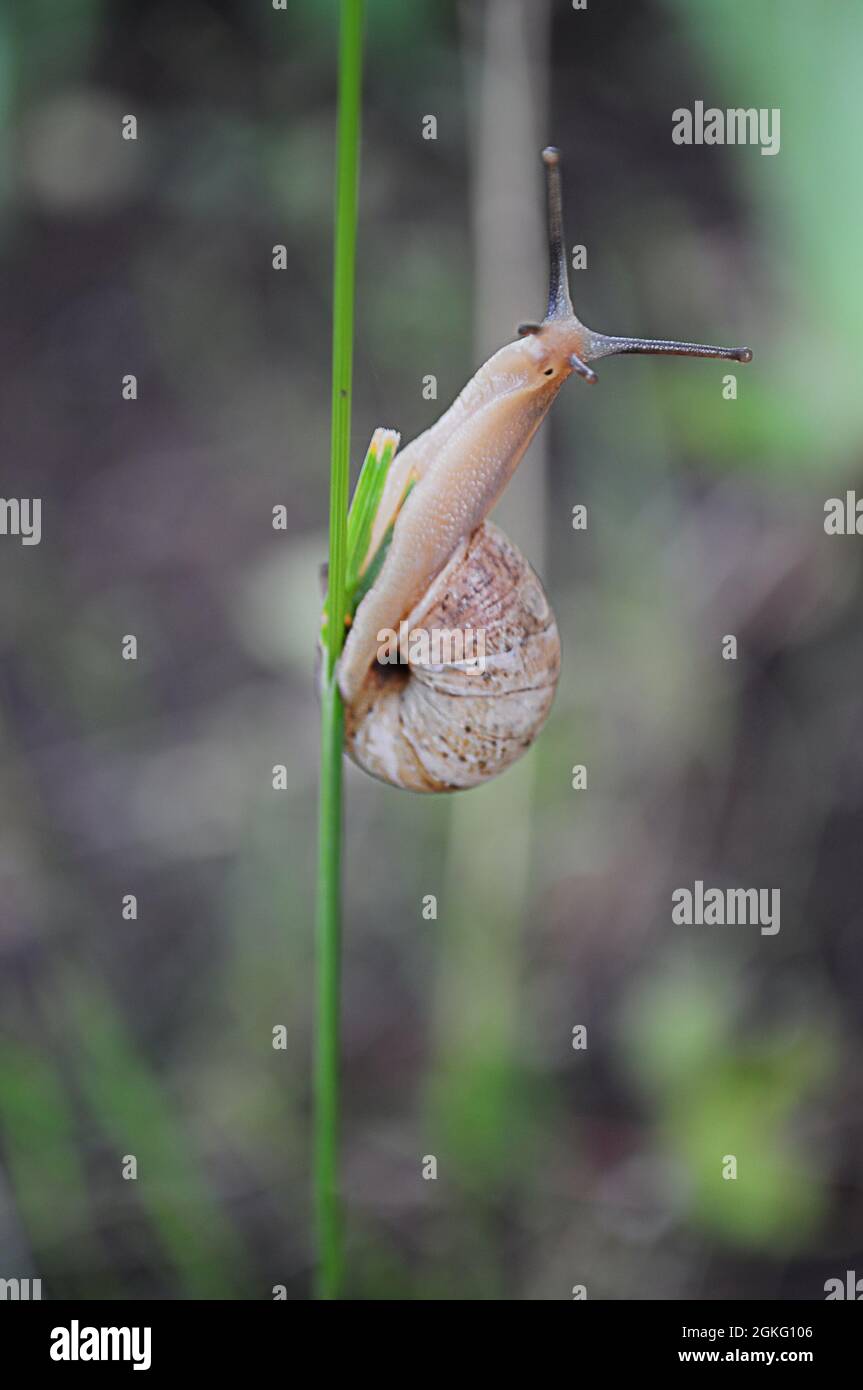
x,y
452,727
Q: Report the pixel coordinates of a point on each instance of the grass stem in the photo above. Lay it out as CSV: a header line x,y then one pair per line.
x,y
327,1206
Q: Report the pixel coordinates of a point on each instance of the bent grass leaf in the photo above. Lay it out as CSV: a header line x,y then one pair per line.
x,y
364,507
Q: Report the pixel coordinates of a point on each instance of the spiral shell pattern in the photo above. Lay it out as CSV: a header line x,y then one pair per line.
x,y
434,728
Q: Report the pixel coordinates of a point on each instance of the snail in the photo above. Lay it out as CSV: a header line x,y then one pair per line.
x,y
440,566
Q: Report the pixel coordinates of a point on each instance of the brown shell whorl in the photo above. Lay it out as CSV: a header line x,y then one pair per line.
x,y
446,728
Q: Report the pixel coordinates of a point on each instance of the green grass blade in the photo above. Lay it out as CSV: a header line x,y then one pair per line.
x,y
364,506
367,498
129,1104
327,1205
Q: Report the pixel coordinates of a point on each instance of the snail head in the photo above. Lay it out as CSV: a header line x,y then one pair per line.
x,y
564,343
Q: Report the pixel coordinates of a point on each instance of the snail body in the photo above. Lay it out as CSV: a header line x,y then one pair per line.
x,y
429,725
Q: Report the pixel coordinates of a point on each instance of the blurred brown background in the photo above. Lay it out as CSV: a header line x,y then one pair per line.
x,y
153,1037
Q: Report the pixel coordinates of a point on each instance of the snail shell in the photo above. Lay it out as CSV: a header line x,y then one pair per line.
x,y
446,728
